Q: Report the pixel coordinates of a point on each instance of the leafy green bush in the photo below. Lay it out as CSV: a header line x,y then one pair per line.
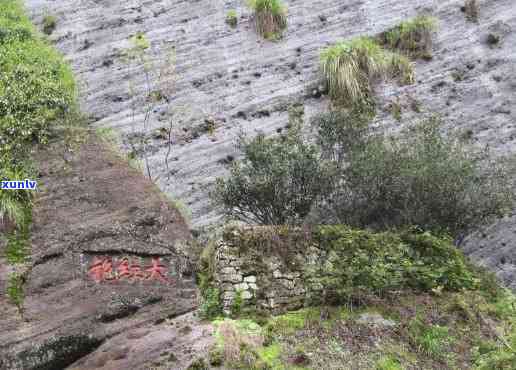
x,y
211,305
36,90
360,263
412,37
419,178
351,67
337,132
277,182
270,17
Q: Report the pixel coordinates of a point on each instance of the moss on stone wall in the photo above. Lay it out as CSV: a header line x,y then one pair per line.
x,y
281,268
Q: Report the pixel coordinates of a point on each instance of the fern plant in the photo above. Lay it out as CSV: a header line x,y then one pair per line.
x,y
270,17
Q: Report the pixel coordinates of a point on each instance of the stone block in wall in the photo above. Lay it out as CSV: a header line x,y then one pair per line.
x,y
250,279
266,269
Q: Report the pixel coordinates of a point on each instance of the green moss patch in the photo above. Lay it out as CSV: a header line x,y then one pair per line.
x,y
429,333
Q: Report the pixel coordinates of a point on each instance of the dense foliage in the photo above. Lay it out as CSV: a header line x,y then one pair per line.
x,y
419,177
36,89
354,176
363,263
277,182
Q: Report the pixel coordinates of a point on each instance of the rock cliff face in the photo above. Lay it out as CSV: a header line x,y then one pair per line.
x,y
229,80
82,216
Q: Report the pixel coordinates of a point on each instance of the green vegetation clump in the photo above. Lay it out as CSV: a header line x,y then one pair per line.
x,y
426,333
232,18
240,345
354,176
15,290
236,305
18,242
277,182
433,340
36,90
351,67
388,363
419,177
270,17
412,37
211,305
37,94
49,24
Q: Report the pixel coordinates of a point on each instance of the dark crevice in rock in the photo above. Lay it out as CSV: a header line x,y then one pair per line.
x,y
56,353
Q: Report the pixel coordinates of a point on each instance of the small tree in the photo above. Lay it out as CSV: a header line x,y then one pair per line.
x,y
420,178
338,131
277,182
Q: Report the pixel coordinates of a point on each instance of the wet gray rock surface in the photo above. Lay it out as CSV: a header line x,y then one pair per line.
x,y
232,80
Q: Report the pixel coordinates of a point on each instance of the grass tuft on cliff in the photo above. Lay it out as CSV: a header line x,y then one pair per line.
x,y
351,67
412,37
270,17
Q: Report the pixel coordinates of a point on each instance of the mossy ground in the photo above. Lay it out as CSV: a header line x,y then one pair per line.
x,y
461,330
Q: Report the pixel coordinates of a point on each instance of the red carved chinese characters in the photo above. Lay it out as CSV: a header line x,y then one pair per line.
x,y
137,271
123,269
157,271
104,269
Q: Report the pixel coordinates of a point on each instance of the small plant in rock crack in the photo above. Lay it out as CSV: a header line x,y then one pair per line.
x,y
270,17
157,85
15,291
49,24
232,18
